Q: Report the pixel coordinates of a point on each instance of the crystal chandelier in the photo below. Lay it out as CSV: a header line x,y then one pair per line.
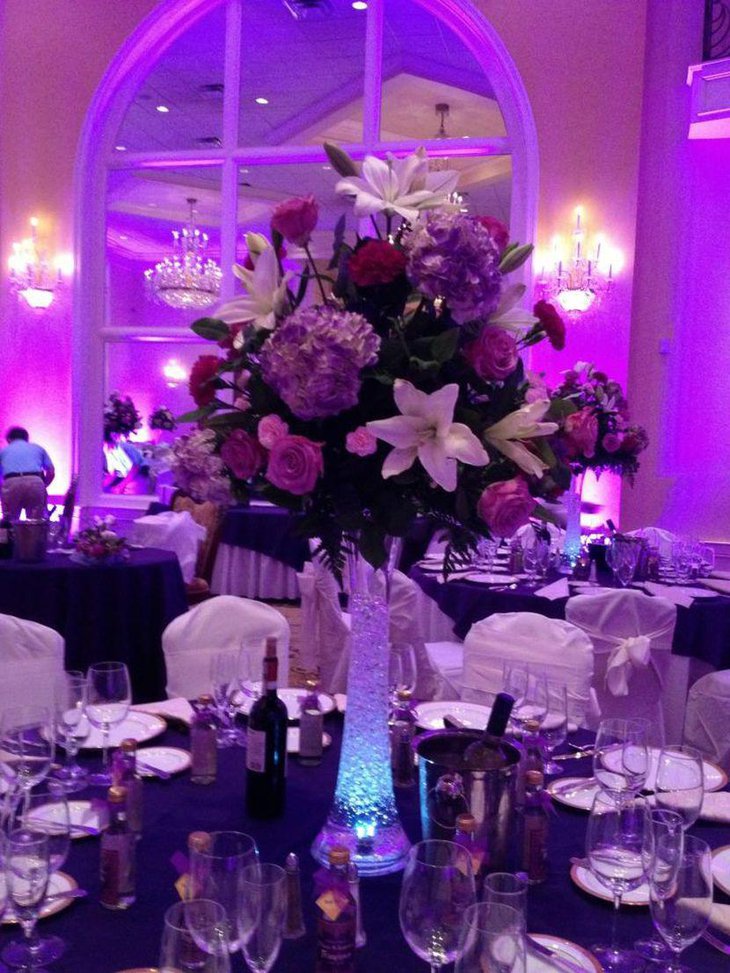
x,y
438,163
582,281
187,279
31,274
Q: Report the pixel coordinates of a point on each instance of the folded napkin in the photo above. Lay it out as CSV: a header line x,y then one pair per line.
x,y
175,709
719,917
725,575
677,594
340,702
558,589
716,807
717,584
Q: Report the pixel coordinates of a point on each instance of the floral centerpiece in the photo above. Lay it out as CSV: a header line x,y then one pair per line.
x,y
197,468
99,543
162,418
120,416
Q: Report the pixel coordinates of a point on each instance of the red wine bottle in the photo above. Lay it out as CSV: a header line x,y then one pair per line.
x,y
486,753
266,745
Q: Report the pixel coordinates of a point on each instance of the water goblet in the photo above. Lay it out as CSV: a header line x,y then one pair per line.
x,y
27,869
487,552
109,698
401,670
224,677
621,757
554,729
437,889
27,745
195,938
681,912
262,915
529,690
619,842
492,938
507,888
216,873
680,782
661,869
72,727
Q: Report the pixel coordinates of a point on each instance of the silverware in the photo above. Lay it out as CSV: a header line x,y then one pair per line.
x,y
717,943
588,784
155,771
560,961
574,756
85,829
453,722
68,894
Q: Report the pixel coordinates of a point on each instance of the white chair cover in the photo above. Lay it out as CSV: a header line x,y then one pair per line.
x,y
707,720
33,659
557,648
557,534
171,531
656,537
632,641
219,624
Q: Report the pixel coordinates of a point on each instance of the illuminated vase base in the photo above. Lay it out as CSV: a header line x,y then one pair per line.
x,y
379,854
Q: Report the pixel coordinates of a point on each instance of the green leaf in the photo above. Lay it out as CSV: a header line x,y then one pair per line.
x,y
196,415
560,409
341,161
302,289
515,258
547,516
445,345
372,545
222,420
210,328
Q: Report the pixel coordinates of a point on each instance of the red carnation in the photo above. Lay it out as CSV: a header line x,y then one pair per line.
x,y
376,262
551,323
201,379
498,231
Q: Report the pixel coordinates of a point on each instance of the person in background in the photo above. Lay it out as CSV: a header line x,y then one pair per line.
x,y
124,465
26,470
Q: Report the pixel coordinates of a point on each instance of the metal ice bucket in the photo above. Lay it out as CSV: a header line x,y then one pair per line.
x,y
447,788
30,539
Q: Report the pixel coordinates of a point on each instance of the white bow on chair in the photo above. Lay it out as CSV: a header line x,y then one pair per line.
x,y
634,651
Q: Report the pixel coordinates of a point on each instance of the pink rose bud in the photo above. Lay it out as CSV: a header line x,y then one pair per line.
x,y
295,219
295,464
506,506
611,442
271,428
361,442
242,454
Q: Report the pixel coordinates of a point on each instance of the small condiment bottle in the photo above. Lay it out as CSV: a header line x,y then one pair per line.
x,y
124,774
117,855
203,742
353,879
337,918
311,722
535,830
402,731
294,923
466,836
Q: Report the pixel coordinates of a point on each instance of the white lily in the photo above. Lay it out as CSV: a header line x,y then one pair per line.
x,y
266,295
508,315
508,434
402,186
425,430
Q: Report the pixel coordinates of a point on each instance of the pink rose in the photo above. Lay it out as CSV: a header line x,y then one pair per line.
x,y
493,353
611,442
506,506
537,390
271,428
497,230
295,219
242,403
361,442
295,463
581,432
242,454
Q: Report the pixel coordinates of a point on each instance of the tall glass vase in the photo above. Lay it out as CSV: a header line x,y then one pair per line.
x,y
363,816
573,502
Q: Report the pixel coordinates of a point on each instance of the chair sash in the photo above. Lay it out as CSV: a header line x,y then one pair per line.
x,y
627,654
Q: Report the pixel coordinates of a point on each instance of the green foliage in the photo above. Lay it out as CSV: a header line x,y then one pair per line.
x,y
210,328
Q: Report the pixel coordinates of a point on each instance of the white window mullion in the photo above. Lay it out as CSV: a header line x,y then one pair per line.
x,y
372,94
229,175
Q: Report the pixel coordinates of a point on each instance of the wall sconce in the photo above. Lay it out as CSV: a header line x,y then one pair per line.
x,y
32,276
584,279
175,373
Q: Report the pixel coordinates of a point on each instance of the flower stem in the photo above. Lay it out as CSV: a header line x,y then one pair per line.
x,y
376,228
315,272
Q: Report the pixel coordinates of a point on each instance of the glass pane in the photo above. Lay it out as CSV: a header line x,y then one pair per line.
x,y
144,208
424,65
485,185
301,79
187,81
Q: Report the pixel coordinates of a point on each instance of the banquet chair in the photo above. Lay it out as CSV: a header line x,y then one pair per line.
x,y
632,641
220,624
554,647
33,659
656,537
707,717
210,516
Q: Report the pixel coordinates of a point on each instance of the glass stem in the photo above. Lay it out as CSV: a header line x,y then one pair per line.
x,y
614,920
105,747
676,965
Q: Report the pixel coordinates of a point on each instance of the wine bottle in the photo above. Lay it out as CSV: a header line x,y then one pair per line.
x,y
486,753
536,826
266,745
203,742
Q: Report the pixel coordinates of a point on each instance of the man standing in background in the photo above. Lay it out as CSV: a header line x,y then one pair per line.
x,y
26,471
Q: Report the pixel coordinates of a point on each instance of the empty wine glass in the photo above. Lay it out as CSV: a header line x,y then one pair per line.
x,y
681,912
487,552
401,670
619,843
27,870
621,756
216,873
661,869
72,727
680,783
492,939
554,729
535,558
625,560
507,888
27,745
109,698
262,915
195,938
224,677
437,889
529,690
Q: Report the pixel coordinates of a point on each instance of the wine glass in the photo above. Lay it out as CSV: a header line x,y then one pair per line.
x,y
529,690
492,938
262,914
535,559
216,873
108,701
27,870
507,888
619,843
224,677
680,782
681,911
625,560
195,938
437,889
72,727
401,670
486,553
27,745
621,756
554,729
662,868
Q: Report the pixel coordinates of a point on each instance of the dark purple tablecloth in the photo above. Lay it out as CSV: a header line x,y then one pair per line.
x,y
104,942
110,611
266,530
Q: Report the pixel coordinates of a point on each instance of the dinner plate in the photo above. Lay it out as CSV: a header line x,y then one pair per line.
x,y
579,957
171,760
292,740
721,868
135,726
291,697
479,577
430,716
715,777
58,882
585,879
575,792
88,818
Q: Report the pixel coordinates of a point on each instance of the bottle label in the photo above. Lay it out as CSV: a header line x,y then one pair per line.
x,y
4,535
310,734
535,848
256,750
336,943
110,876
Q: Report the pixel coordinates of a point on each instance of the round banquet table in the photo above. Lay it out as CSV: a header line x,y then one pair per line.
x,y
103,611
100,941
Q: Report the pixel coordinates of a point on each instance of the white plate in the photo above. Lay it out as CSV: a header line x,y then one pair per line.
x,y
292,740
291,697
721,868
135,726
430,716
577,956
171,760
58,882
88,818
478,577
715,777
575,792
587,881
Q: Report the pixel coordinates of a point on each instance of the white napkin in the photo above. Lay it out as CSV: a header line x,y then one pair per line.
x,y
677,594
558,589
340,702
719,917
725,575
716,807
717,584
177,709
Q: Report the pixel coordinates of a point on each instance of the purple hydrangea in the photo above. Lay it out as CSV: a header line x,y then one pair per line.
x,y
453,257
314,359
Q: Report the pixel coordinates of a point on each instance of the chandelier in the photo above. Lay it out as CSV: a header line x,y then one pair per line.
x,y
580,282
31,274
438,163
187,279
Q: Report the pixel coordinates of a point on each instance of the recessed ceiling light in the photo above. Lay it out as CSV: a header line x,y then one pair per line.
x,y
326,167
163,109
262,101
154,205
123,236
121,148
245,171
359,5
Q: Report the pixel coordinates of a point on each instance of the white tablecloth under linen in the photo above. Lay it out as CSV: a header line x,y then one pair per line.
x,y
239,571
171,531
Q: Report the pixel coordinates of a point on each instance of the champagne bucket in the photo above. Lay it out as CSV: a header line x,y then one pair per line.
x,y
447,788
30,538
